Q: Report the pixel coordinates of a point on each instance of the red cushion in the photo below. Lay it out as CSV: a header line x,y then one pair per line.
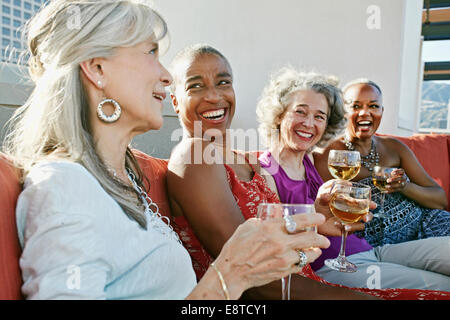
x,y
10,276
155,170
433,153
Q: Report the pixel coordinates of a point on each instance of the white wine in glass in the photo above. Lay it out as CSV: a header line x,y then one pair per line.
x,y
344,164
379,178
349,203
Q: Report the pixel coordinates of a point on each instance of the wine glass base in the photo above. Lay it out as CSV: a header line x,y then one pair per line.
x,y
341,264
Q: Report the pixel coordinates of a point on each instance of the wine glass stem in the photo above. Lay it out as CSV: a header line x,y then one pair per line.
x,y
343,243
286,288
382,203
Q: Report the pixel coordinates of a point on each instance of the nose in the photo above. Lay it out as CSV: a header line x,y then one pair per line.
x,y
211,95
166,77
308,121
364,110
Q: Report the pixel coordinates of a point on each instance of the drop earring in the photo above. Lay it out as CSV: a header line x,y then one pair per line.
x,y
117,110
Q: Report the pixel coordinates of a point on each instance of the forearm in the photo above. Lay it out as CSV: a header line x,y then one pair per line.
x,y
210,286
428,197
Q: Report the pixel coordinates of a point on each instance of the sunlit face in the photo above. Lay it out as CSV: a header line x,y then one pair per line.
x,y
135,78
205,94
364,107
304,121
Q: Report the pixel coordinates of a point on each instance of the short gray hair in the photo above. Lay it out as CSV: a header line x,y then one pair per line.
x,y
362,81
276,97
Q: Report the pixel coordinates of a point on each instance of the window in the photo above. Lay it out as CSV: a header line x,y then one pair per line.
x,y
18,3
26,15
17,13
6,20
435,107
6,9
16,23
5,42
6,31
434,111
27,5
17,34
16,44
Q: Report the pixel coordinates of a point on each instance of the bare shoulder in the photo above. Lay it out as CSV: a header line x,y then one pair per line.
x,y
190,151
321,154
393,145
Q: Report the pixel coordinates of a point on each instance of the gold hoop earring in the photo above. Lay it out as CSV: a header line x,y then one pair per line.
x,y
112,118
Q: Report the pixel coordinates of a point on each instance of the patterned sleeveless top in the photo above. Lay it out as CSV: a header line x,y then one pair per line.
x,y
405,220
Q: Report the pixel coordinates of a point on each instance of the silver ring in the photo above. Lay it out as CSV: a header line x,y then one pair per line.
x,y
290,224
303,259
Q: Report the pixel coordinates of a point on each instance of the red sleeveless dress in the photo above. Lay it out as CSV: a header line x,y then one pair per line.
x,y
248,195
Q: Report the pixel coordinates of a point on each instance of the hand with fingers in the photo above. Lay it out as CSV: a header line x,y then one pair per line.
x,y
332,226
397,181
262,251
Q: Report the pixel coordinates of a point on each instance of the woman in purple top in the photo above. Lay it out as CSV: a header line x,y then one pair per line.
x,y
297,112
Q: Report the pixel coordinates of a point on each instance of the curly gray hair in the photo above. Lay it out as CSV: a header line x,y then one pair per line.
x,y
276,98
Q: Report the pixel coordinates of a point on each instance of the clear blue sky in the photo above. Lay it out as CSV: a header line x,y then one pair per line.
x,y
436,51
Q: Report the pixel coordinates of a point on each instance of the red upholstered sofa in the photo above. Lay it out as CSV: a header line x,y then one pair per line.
x,y
432,150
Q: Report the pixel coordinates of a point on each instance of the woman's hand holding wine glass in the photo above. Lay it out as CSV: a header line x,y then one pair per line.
x,y
387,180
349,203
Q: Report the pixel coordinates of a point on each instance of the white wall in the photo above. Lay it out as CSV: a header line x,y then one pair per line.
x,y
259,36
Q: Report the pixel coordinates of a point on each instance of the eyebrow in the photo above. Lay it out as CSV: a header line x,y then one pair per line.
x,y
305,105
199,77
193,78
360,101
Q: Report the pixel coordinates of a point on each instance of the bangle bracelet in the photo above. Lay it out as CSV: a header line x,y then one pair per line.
x,y
222,281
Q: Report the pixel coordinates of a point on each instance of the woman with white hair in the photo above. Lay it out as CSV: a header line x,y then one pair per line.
x,y
84,207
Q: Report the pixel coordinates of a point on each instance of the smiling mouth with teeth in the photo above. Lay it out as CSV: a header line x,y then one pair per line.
x,y
364,124
304,135
157,96
214,115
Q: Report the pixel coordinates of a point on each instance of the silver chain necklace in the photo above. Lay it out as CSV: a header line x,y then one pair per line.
x,y
369,161
154,215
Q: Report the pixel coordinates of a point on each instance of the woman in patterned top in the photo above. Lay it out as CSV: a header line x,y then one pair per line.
x,y
414,202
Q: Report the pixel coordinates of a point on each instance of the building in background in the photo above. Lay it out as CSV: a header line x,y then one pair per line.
x,y
14,14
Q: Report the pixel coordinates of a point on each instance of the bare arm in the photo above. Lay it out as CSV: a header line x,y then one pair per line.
x,y
202,194
421,188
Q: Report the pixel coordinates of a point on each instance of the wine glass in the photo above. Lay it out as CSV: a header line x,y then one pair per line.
x,y
379,179
349,203
344,164
280,210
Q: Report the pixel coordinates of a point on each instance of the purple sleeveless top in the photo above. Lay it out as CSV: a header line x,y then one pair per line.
x,y
305,191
